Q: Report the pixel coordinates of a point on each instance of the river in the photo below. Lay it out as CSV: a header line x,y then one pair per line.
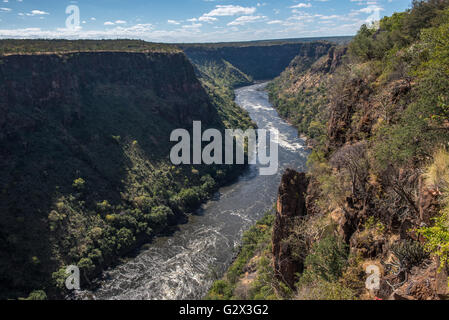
x,y
181,266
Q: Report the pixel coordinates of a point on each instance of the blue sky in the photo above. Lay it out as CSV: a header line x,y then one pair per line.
x,y
191,20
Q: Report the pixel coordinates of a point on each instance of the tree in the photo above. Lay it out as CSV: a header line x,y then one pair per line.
x,y
352,158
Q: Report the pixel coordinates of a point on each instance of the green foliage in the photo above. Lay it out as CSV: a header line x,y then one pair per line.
x,y
421,127
437,238
264,286
328,258
363,44
254,240
221,290
59,277
16,46
79,184
159,217
397,31
312,287
372,224
324,267
125,238
409,253
86,265
251,241
37,295
304,107
189,198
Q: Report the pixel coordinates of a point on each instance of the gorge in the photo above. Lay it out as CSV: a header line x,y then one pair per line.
x,y
184,265
86,178
92,119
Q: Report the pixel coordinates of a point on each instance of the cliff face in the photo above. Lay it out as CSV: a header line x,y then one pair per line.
x,y
299,94
260,62
46,83
291,204
84,169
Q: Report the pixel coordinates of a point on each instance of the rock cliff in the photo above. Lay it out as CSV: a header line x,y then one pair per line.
x,y
291,204
85,174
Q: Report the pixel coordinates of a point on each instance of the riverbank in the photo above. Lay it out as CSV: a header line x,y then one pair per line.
x,y
184,265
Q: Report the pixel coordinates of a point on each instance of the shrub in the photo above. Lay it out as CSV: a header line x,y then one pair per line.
x,y
37,295
79,184
316,288
221,290
86,265
104,206
409,253
437,237
328,258
208,184
189,198
159,217
125,239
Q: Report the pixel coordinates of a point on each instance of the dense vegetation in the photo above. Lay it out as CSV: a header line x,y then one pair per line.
x,y
216,45
19,46
85,173
377,116
303,100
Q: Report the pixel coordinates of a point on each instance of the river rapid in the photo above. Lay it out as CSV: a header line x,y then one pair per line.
x,y
183,266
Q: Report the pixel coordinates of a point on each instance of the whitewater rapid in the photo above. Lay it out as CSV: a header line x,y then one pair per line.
x,y
184,265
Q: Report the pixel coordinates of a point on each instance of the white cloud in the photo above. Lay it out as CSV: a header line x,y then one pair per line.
x,y
302,5
37,13
230,10
245,19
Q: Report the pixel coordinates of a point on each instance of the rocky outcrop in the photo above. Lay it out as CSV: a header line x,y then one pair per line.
x,y
428,204
291,204
329,63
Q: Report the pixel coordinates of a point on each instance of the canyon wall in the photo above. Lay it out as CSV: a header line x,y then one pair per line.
x,y
85,174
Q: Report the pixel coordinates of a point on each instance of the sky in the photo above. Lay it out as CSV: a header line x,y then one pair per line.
x,y
190,20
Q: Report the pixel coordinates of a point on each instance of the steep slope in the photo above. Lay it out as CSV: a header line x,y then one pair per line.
x,y
300,93
85,171
378,195
257,61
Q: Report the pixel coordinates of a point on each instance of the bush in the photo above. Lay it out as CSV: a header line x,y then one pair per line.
x,y
437,238
324,268
125,239
59,277
221,290
189,198
328,258
79,184
159,216
409,253
316,288
86,265
37,295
